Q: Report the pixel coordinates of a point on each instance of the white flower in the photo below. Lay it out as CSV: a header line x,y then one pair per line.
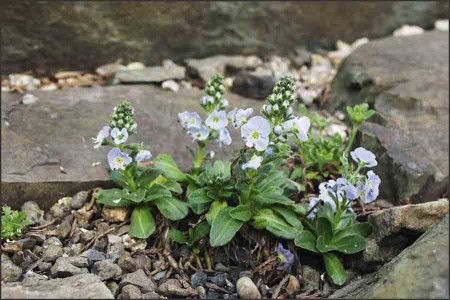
x,y
225,103
289,111
364,157
275,107
143,155
199,134
299,127
119,136
207,99
103,134
241,117
256,133
277,130
231,114
253,163
267,108
217,120
224,137
117,159
190,120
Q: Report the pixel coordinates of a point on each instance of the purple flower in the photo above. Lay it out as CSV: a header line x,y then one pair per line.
x,y
103,134
285,257
119,136
364,157
312,202
190,120
117,159
143,155
369,190
351,192
199,134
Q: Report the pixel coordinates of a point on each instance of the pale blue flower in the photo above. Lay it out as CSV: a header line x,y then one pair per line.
x,y
190,120
285,257
118,160
370,189
241,116
253,163
312,202
256,133
103,134
364,157
231,114
199,134
351,192
143,155
217,120
325,188
207,99
119,136
278,130
224,137
298,126
224,103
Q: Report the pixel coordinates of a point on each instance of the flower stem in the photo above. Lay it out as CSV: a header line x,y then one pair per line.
x,y
199,157
130,181
208,261
351,140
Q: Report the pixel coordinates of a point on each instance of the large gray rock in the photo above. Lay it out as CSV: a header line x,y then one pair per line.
x,y
86,34
86,286
56,131
420,272
406,80
150,75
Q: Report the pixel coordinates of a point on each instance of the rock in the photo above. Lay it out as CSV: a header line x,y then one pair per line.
x,y
109,69
406,30
310,277
130,292
79,261
33,212
150,74
38,250
199,278
10,272
441,25
410,119
376,254
293,286
159,276
107,270
264,290
220,279
143,262
301,57
246,289
116,251
172,288
139,279
113,287
115,214
221,268
44,183
151,295
114,239
127,263
253,85
212,294
93,256
393,226
63,268
52,241
427,259
133,244
79,199
44,266
28,99
170,85
61,208
135,66
52,252
66,288
65,227
207,67
27,243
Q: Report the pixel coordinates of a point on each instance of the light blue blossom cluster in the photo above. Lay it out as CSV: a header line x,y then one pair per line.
x,y
340,192
118,159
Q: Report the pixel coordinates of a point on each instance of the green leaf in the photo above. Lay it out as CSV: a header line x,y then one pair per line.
x,y
199,201
118,178
300,208
241,213
306,240
362,229
200,231
169,168
136,196
172,208
177,236
112,197
267,199
214,209
223,228
157,191
325,229
274,178
268,219
289,216
327,212
349,244
173,186
147,176
142,223
334,268
323,246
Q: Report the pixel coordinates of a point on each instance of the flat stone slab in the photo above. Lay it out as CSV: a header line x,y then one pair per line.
x,y
56,131
86,286
150,74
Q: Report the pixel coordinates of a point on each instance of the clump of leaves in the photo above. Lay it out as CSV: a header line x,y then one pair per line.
x,y
13,222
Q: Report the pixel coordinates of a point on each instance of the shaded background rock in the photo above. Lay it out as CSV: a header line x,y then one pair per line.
x,y
102,32
406,80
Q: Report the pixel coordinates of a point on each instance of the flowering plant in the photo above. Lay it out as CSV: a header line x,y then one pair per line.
x,y
142,188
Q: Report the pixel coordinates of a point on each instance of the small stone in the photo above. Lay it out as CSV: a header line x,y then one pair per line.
x,y
150,74
114,239
135,66
65,227
116,251
152,296
79,199
143,262
264,290
220,279
44,266
201,292
52,241
29,99
199,278
93,256
407,30
113,287
38,237
61,208
293,286
101,244
78,261
63,268
130,292
441,25
106,270
115,214
246,289
221,268
84,215
27,243
311,277
86,235
101,227
173,288
212,294
52,253
38,250
170,85
245,274
255,85
109,69
10,272
73,250
159,276
33,212
127,263
139,279
133,244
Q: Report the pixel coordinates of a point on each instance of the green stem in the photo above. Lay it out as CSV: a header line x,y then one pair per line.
x,y
199,262
208,261
130,181
199,157
351,140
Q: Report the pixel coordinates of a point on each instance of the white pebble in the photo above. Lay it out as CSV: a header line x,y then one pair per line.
x,y
135,66
406,30
170,85
441,25
29,99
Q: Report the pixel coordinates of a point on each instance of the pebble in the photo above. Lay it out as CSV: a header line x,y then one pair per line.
x,y
73,250
27,243
219,279
133,244
293,285
116,251
201,292
127,263
170,85
44,266
33,212
212,294
441,25
52,241
115,214
10,272
52,253
78,261
407,30
113,287
61,208
199,278
106,270
264,290
38,250
114,239
152,295
135,66
130,292
139,279
109,69
65,227
29,99
93,256
221,268
245,274
79,200
159,276
172,288
311,277
63,268
246,289
86,235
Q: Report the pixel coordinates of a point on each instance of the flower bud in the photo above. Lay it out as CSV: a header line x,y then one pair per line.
x,y
289,111
275,107
278,130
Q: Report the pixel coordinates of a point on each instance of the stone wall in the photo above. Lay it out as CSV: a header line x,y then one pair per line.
x,y
83,35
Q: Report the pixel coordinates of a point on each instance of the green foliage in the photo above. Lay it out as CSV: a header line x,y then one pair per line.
x,y
200,231
360,113
334,268
13,222
122,117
